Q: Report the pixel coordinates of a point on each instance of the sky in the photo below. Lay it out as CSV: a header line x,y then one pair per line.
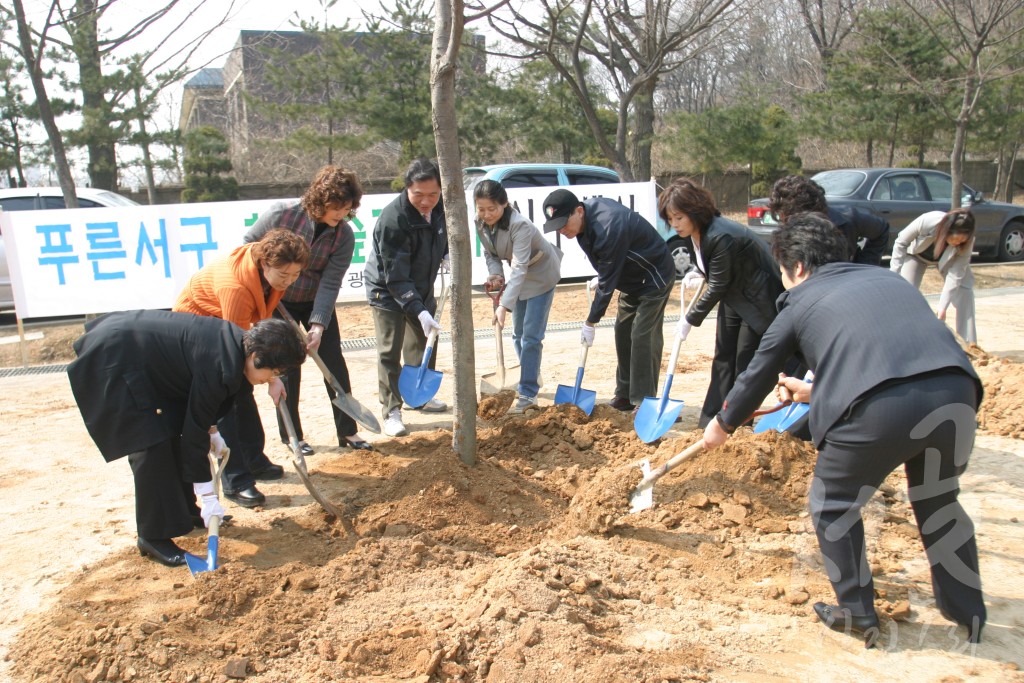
x,y
206,19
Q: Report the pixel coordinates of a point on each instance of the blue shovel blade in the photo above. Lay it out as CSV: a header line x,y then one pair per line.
x,y
795,412
781,419
584,399
652,421
418,385
198,565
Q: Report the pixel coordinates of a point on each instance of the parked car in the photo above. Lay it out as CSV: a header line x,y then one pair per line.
x,y
900,195
550,175
37,198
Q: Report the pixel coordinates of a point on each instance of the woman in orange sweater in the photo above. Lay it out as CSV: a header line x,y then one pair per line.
x,y
243,288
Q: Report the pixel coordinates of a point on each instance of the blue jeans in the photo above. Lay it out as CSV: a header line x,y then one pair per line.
x,y
529,320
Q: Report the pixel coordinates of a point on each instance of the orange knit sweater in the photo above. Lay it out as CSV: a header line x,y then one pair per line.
x,y
229,289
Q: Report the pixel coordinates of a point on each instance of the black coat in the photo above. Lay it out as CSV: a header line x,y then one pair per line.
x,y
857,225
626,251
857,327
143,377
404,258
740,273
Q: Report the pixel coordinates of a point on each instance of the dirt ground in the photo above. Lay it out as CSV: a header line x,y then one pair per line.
x,y
524,567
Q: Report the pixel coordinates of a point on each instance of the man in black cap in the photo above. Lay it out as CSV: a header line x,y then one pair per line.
x,y
629,255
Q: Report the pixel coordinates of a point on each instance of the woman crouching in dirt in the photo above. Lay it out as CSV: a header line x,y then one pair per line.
x,y
151,385
944,240
891,387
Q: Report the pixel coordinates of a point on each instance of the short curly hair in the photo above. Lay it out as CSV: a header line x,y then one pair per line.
x,y
332,185
795,194
686,196
280,248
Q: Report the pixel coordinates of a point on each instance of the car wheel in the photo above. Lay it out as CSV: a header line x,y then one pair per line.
x,y
680,255
1011,242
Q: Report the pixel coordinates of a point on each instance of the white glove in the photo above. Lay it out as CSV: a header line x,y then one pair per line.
x,y
428,323
587,334
683,329
446,263
208,501
217,445
592,284
693,279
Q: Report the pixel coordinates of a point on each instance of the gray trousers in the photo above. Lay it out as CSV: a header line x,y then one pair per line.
x,y
639,342
927,424
398,336
962,298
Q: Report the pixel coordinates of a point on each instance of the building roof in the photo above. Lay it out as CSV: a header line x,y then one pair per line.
x,y
210,77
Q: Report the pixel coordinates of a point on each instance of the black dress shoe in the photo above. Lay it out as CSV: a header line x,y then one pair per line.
x,y
356,444
620,403
163,550
247,498
843,621
197,521
271,472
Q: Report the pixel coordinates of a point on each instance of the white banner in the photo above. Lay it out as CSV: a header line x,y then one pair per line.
x,y
79,261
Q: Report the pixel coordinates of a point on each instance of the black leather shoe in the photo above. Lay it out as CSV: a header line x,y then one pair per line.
x,y
843,621
247,498
356,443
271,472
163,550
620,403
197,521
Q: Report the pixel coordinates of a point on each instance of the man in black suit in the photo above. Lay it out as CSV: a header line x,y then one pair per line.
x,y
891,387
151,385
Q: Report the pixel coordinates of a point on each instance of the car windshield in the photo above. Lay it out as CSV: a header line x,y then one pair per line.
x,y
470,176
839,183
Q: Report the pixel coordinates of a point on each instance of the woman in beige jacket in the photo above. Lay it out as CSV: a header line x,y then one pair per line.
x,y
944,240
536,266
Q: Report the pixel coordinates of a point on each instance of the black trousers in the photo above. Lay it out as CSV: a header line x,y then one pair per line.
x,y
639,341
735,345
330,354
927,424
164,501
242,430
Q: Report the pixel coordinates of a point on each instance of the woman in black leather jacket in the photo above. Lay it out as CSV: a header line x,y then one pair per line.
x,y
742,278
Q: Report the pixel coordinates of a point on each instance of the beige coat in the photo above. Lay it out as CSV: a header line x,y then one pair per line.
x,y
917,240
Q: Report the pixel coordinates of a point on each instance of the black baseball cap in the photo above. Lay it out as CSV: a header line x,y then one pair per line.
x,y
557,208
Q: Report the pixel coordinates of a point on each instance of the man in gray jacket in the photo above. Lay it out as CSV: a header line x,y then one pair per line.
x,y
410,240
630,256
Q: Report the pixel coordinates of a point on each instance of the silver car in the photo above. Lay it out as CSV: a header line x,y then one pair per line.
x,y
35,199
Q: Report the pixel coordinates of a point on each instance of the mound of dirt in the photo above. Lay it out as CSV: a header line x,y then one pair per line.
x,y
1002,407
525,564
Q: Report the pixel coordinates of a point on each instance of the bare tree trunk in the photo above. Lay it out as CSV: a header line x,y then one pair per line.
x,y
147,159
448,27
643,130
35,72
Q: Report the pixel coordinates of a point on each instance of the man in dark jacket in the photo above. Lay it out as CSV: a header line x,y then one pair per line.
x,y
151,385
630,256
410,240
913,404
795,194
